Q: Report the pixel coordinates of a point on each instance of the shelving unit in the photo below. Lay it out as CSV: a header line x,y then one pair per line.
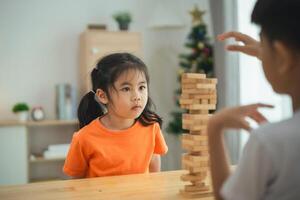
x,y
20,140
94,44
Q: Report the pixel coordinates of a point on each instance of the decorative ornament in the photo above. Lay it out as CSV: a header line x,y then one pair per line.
x,y
37,114
180,71
200,45
197,15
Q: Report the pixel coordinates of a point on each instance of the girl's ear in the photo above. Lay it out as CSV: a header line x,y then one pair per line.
x,y
102,96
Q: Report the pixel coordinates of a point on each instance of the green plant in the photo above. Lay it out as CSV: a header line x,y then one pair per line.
x,y
122,17
19,107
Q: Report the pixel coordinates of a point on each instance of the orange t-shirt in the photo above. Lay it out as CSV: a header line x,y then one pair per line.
x,y
97,151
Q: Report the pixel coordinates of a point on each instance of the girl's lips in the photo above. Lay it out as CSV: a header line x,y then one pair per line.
x,y
136,107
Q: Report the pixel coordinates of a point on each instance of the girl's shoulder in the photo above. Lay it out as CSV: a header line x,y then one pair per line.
x,y
88,129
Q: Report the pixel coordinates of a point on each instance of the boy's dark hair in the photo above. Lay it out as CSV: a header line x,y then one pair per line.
x,y
103,76
279,20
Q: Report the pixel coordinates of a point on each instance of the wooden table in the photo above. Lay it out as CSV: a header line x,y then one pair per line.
x,y
157,186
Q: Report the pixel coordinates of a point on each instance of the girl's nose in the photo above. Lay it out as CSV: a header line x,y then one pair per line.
x,y
136,96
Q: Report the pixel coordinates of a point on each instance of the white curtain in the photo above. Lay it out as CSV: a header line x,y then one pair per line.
x,y
238,74
224,18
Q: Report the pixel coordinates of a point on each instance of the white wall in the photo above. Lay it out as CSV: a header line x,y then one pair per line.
x,y
40,46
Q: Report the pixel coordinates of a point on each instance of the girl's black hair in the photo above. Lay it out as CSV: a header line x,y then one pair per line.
x,y
103,76
279,20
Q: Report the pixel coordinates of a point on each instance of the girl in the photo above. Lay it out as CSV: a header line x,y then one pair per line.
x,y
119,133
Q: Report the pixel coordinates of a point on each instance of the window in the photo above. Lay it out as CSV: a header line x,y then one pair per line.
x,y
253,85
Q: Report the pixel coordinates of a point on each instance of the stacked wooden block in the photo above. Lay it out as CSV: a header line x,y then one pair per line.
x,y
198,97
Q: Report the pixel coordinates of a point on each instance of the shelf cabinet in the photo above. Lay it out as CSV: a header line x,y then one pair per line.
x,y
95,44
19,141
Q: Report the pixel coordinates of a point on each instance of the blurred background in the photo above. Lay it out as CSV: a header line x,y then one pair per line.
x,y
46,52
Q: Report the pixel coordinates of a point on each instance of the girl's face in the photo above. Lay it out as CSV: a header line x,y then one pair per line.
x,y
129,95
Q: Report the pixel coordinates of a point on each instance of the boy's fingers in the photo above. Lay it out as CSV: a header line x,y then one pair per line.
x,y
252,108
245,125
258,117
264,105
255,106
236,35
243,49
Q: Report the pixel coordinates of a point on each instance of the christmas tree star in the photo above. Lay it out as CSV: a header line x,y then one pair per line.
x,y
197,15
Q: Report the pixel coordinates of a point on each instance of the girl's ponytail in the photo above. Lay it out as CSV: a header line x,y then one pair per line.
x,y
88,109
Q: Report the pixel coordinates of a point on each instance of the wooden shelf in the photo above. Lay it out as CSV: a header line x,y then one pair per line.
x,y
38,123
44,160
45,179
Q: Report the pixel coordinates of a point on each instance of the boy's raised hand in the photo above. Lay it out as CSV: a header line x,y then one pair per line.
x,y
234,118
251,46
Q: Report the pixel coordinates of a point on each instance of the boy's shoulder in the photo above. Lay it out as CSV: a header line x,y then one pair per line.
x,y
285,128
279,139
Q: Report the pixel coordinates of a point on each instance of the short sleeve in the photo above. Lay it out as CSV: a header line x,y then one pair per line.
x,y
250,179
160,143
75,163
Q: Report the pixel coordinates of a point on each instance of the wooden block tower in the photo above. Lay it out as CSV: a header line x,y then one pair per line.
x,y
198,97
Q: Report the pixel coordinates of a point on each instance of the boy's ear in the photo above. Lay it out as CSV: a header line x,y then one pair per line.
x,y
102,96
285,57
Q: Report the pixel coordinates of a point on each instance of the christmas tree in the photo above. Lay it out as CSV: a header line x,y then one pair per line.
x,y
199,59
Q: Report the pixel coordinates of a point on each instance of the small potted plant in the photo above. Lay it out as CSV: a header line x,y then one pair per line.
x,y
123,19
22,110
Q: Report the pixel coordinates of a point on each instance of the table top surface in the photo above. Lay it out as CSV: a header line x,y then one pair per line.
x,y
161,185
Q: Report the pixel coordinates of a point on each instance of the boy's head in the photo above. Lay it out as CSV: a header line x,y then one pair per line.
x,y
280,39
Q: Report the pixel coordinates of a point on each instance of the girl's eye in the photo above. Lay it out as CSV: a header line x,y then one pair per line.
x,y
142,87
125,89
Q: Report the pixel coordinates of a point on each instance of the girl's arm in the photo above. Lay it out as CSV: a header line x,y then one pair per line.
x,y
155,163
225,119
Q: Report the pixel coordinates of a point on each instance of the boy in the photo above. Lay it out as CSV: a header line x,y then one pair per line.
x,y
270,165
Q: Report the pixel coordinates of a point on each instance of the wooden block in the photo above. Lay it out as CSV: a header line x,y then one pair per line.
x,y
198,86
205,86
212,80
189,81
195,169
201,96
194,177
189,101
193,75
194,137
198,132
191,163
187,163
196,194
212,101
201,81
204,112
195,121
189,85
195,127
198,96
197,158
198,91
204,101
200,153
195,116
194,142
189,147
194,188
202,107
